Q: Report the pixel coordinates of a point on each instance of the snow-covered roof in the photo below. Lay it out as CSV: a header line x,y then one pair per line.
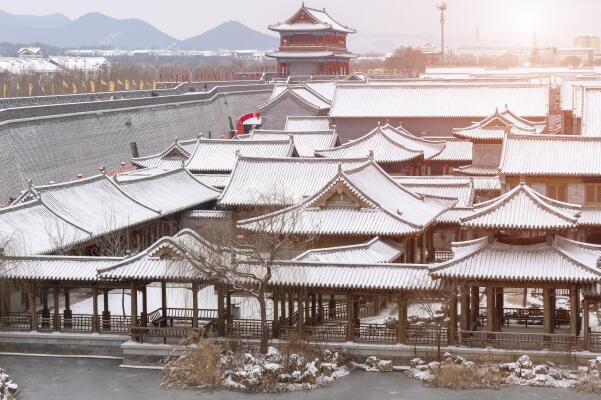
x,y
388,145
523,208
376,250
302,124
299,92
55,268
472,170
480,183
361,201
460,189
218,181
308,54
567,90
562,261
22,66
591,112
280,181
220,155
382,101
86,64
495,126
455,150
311,19
305,142
170,158
356,276
551,155
51,217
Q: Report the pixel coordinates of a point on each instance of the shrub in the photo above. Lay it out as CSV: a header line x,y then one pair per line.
x,y
459,377
197,367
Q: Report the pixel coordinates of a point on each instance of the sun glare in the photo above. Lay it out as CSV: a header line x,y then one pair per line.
x,y
528,18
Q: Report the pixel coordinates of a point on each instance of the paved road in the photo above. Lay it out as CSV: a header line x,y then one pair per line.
x,y
45,378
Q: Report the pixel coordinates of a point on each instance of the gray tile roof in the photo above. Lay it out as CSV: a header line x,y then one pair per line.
x,y
60,147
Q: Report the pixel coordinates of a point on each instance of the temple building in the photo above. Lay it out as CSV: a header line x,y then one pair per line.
x,y
312,43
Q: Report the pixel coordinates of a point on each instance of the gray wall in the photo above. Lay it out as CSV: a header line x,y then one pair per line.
x,y
275,116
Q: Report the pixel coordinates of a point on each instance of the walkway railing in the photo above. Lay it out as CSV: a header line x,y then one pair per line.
x,y
526,316
518,340
180,314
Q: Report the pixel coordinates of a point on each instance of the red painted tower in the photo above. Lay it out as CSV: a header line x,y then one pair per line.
x,y
312,43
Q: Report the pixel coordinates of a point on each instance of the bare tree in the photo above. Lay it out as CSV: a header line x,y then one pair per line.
x,y
247,261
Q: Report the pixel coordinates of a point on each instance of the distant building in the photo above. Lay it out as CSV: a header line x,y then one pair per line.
x,y
30,52
588,41
312,43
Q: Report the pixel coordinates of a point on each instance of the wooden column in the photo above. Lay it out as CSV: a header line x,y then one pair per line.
x,y
276,317
230,309
332,307
415,250
106,313
499,305
548,310
585,324
320,307
194,305
313,308
133,309
401,336
574,312
475,305
350,334
67,314
307,306
56,321
452,317
283,306
290,306
300,308
144,315
490,309
220,312
465,308
164,299
95,325
32,306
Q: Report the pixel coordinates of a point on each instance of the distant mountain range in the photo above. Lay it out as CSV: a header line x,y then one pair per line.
x,y
96,30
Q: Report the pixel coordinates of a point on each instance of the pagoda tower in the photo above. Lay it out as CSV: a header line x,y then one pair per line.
x,y
312,43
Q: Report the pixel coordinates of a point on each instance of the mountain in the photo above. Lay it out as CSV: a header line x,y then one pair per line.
x,y
33,21
231,35
96,29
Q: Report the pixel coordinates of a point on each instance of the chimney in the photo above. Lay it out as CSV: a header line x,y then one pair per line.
x,y
134,149
79,176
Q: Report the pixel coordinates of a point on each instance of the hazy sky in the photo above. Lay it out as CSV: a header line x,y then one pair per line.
x,y
498,21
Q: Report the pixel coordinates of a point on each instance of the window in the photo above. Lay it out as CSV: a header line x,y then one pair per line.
x,y
557,191
592,193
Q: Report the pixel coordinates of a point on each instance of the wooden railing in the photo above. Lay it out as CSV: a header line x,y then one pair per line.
x,y
427,335
595,341
181,314
527,316
518,340
378,333
328,333
181,332
248,328
16,322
